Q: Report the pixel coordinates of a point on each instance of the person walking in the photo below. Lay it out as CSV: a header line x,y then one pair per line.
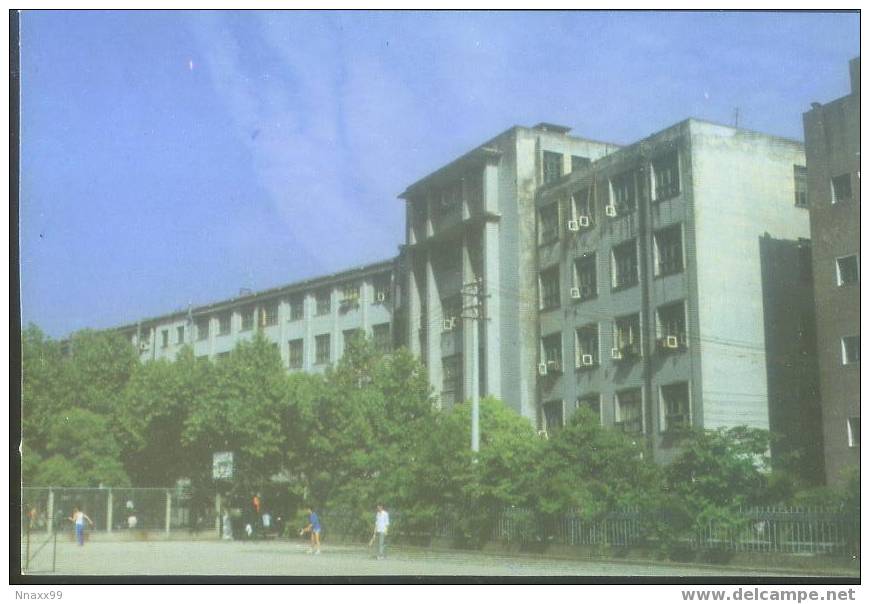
x,y
382,524
78,517
313,529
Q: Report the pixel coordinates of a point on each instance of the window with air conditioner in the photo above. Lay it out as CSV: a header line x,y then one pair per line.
x,y
451,311
624,262
626,337
451,380
350,296
247,318
381,336
592,402
552,166
841,188
800,187
296,353
321,349
584,207
549,283
553,416
548,223
853,431
675,411
551,352
851,348
586,276
382,290
623,193
666,176
628,412
224,323
587,346
202,328
323,302
671,327
668,244
297,308
847,270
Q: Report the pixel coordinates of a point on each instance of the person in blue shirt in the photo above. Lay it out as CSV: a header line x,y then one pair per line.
x,y
313,529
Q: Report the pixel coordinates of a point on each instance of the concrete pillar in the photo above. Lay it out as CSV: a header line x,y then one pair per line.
x,y
492,309
50,512
168,510
469,357
433,327
413,311
109,508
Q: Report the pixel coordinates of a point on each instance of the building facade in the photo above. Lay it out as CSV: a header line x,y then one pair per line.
x,y
832,133
655,308
309,322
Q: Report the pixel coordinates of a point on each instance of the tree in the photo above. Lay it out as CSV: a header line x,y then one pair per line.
x,y
43,389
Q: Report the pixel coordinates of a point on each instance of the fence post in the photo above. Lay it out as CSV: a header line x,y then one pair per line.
x,y
109,508
217,514
50,513
168,510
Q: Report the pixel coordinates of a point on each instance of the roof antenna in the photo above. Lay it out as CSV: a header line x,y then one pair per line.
x,y
737,117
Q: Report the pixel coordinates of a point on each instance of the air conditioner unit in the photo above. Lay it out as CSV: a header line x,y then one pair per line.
x,y
575,293
671,342
573,225
586,360
554,366
584,221
616,353
542,369
380,297
610,210
449,324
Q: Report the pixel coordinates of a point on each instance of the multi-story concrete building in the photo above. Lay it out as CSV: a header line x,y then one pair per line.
x,y
475,219
665,272
833,191
308,321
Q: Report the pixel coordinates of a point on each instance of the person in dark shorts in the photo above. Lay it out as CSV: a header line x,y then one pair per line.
x,y
313,529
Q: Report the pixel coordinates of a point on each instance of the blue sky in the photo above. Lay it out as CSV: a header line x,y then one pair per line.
x,y
175,157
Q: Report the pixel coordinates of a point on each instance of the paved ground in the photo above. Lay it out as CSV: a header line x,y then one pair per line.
x,y
290,558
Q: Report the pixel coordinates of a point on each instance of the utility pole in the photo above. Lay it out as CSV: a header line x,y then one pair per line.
x,y
472,313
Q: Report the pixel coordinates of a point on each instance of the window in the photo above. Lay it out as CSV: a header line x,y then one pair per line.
x,y
269,314
553,416
224,324
247,318
841,188
382,290
623,194
323,302
451,309
668,251
222,355
800,187
587,281
202,328
297,308
349,335
551,351
350,296
321,349
625,265
853,430
584,205
626,337
548,223
578,162
666,173
675,406
671,326
451,380
592,402
449,198
296,353
847,270
552,166
629,414
851,350
587,346
164,338
382,338
179,334
550,288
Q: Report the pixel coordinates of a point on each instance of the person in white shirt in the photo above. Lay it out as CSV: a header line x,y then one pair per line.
x,y
382,524
79,517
